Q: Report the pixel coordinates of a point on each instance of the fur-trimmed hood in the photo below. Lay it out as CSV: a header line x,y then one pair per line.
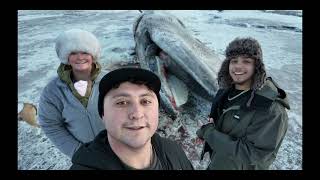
x,y
77,40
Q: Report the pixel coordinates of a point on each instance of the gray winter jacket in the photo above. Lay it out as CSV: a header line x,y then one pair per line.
x,y
64,120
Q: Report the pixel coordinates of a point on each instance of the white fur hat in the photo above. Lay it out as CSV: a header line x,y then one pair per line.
x,y
77,40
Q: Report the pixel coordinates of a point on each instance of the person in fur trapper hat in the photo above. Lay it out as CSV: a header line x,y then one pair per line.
x,y
248,118
68,111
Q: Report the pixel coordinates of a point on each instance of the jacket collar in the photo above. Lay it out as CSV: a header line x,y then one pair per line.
x,y
273,92
64,72
263,97
99,155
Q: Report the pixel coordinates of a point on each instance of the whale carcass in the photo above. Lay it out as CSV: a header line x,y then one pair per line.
x,y
165,46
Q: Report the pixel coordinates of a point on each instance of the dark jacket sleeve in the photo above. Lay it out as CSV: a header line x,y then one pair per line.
x,y
51,122
264,135
171,154
79,167
184,161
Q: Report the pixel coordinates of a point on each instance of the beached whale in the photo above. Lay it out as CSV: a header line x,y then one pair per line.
x,y
164,45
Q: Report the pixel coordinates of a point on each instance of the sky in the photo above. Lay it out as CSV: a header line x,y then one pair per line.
x,y
280,37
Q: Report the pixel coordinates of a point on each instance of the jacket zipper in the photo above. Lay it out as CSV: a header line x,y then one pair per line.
x,y
86,109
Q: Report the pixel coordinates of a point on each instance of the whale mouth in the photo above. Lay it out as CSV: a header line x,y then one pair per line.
x,y
174,88
164,46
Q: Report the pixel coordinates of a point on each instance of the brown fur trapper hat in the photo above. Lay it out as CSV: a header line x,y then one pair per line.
x,y
248,47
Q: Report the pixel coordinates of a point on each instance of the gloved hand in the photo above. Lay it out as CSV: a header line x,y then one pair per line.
x,y
204,129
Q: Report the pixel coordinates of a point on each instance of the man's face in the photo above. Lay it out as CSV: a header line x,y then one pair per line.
x,y
80,61
241,70
131,115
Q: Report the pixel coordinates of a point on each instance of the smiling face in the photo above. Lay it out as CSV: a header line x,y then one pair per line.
x,y
241,70
130,115
80,61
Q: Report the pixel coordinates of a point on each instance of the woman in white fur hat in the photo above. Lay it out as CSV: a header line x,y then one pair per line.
x,y
68,111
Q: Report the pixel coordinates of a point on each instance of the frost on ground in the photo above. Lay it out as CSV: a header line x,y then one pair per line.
x,y
35,151
279,32
40,153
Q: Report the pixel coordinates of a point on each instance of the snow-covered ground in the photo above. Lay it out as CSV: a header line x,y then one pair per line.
x,y
280,36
